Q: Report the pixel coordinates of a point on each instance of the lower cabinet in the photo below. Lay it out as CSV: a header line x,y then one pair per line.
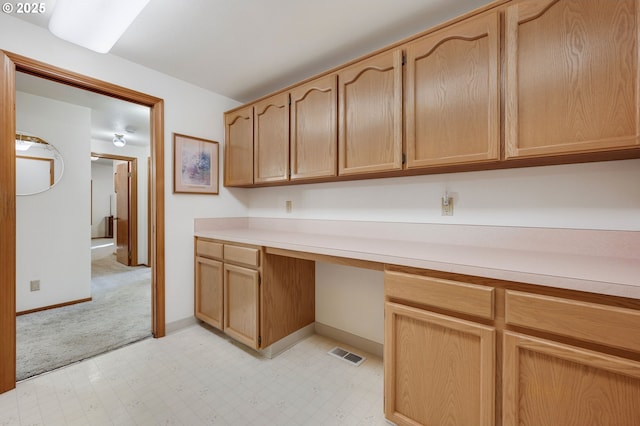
x,y
208,291
439,370
241,304
254,297
550,383
534,357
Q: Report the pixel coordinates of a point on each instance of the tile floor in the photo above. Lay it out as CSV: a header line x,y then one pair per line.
x,y
197,377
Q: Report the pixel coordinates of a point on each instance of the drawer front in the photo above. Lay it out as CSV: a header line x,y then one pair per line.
x,y
245,255
454,296
592,322
206,248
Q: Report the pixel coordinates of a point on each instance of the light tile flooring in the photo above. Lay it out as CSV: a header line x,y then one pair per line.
x,y
197,377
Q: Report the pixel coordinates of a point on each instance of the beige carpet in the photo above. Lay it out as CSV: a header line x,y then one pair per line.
x,y
119,314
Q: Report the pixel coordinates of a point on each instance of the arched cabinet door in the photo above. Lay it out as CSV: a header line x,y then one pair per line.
x,y
314,136
452,94
370,115
271,139
571,77
238,147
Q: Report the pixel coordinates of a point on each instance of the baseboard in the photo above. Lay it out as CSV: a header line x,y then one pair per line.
x,y
172,327
286,342
369,346
58,305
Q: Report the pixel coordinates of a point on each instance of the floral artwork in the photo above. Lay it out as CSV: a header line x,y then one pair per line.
x,y
195,165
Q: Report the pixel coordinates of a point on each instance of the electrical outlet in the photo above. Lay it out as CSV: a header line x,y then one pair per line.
x,y
288,206
35,285
447,208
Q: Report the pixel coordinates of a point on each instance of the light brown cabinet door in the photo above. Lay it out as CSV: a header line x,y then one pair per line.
x,y
238,147
314,129
571,76
208,291
452,94
548,383
271,139
437,369
241,311
370,115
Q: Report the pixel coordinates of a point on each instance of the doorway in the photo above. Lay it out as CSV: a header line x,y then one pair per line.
x,y
122,222
9,64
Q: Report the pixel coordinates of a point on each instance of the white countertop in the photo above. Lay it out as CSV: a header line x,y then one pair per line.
x,y
603,262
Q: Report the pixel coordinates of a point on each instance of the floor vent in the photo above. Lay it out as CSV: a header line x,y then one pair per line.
x,y
350,357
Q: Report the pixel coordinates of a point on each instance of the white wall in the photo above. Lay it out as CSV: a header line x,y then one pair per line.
x,y
103,190
52,228
187,109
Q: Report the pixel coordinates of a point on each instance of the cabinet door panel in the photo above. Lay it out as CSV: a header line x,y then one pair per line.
x,y
208,291
314,129
571,76
452,102
438,369
238,147
548,383
370,115
241,296
271,139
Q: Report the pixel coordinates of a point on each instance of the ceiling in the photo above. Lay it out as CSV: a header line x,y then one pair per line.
x,y
243,49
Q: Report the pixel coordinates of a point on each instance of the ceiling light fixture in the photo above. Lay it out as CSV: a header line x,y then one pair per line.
x,y
94,24
119,141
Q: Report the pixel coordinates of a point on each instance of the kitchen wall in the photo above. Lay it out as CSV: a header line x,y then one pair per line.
x,y
52,243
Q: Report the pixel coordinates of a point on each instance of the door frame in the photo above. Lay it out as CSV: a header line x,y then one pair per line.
x,y
133,202
9,64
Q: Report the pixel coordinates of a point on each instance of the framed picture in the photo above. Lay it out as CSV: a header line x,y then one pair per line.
x,y
195,165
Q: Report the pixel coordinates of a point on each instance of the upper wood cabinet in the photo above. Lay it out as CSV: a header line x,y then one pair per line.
x,y
271,139
370,115
571,76
314,135
452,85
238,147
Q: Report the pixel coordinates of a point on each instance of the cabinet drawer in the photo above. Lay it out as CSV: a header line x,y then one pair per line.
x,y
592,322
206,248
245,255
454,296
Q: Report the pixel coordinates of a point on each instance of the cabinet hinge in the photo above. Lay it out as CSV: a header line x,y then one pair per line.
x,y
259,340
404,158
404,59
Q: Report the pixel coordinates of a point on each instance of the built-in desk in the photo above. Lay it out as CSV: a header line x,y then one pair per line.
x,y
601,262
485,316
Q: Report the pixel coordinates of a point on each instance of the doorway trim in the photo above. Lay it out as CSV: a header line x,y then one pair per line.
x,y
133,204
10,63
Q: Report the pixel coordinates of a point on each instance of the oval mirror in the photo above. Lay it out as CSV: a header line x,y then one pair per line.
x,y
39,165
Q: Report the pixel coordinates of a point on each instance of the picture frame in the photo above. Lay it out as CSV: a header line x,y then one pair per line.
x,y
195,165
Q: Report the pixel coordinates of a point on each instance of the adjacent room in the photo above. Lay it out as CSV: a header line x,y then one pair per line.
x,y
97,296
